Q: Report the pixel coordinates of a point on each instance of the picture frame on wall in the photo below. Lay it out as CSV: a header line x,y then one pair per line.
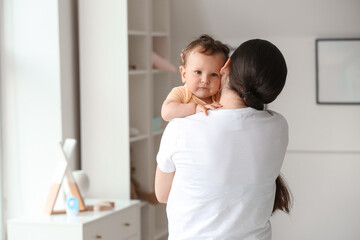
x,y
337,70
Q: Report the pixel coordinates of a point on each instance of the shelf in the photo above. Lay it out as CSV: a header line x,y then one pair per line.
x,y
143,203
154,71
138,52
138,138
137,93
137,33
161,15
137,72
161,83
160,34
159,71
160,233
148,31
137,12
138,90
158,133
160,45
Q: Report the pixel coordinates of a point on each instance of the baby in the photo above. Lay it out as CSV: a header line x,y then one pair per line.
x,y
201,62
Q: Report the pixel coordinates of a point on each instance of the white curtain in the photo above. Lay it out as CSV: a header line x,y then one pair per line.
x,y
2,222
35,114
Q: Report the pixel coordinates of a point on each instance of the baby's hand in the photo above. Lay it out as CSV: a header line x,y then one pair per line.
x,y
204,108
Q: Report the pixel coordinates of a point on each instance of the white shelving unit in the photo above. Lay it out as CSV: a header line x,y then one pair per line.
x,y
148,31
121,90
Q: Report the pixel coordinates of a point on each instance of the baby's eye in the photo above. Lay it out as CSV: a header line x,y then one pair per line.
x,y
197,72
214,75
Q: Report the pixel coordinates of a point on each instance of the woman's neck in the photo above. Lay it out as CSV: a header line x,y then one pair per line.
x,y
231,100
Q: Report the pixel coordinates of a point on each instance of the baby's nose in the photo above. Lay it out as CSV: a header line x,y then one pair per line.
x,y
205,80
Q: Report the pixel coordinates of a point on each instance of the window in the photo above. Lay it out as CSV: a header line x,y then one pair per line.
x,y
2,224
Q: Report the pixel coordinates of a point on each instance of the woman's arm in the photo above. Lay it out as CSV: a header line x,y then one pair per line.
x,y
172,109
163,182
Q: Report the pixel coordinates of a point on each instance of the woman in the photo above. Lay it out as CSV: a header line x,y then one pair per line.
x,y
219,174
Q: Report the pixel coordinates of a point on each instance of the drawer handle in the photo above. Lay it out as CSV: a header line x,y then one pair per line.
x,y
127,224
98,236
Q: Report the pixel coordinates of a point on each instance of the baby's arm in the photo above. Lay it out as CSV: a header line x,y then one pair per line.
x,y
172,109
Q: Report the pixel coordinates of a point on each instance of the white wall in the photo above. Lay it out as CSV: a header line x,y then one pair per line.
x,y
322,165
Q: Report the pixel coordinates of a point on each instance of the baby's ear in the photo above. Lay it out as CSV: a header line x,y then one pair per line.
x,y
183,73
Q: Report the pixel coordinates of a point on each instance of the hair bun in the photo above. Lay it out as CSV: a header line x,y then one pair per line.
x,y
246,94
252,100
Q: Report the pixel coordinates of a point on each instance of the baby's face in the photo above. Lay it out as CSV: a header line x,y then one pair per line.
x,y
202,74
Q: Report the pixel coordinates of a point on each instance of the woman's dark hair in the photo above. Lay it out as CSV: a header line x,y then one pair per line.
x,y
208,46
283,199
257,74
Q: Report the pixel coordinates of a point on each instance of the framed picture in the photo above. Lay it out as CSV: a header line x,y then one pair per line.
x,y
338,71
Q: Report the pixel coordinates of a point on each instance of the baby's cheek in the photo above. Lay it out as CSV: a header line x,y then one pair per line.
x,y
217,85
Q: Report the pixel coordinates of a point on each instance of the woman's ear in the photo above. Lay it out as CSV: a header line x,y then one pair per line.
x,y
224,74
183,73
225,68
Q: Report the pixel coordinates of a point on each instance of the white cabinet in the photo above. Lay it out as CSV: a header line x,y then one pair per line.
x,y
125,224
121,223
120,91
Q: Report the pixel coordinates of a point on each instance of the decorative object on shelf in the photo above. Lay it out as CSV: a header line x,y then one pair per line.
x,y
82,181
72,206
157,124
132,67
104,205
161,63
63,175
134,132
138,193
135,189
338,71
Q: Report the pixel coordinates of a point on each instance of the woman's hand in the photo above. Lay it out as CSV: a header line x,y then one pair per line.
x,y
204,108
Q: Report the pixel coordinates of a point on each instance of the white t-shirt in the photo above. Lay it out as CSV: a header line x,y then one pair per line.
x,y
226,165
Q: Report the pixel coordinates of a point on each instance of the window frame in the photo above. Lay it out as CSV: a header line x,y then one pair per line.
x,y
2,220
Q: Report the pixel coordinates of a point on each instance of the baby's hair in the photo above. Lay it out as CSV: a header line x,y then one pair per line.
x,y
207,45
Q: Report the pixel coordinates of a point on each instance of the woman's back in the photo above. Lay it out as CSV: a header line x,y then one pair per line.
x,y
226,165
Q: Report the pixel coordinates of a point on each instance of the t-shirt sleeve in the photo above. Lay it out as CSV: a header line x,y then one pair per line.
x,y
177,94
166,150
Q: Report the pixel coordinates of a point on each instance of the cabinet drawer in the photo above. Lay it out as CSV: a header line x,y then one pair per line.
x,y
119,225
135,237
31,231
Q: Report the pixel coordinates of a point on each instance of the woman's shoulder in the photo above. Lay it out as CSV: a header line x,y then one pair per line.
x,y
276,114
279,120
